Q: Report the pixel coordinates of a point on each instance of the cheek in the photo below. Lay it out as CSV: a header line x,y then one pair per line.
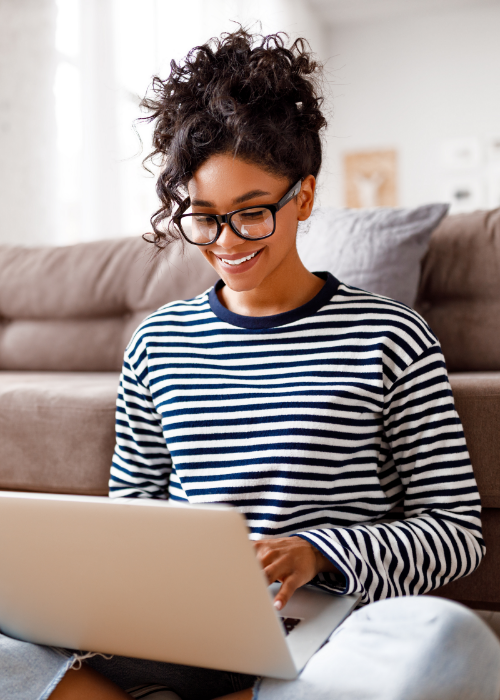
x,y
286,231
209,258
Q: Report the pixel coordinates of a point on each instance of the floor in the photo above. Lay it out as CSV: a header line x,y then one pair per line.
x,y
492,619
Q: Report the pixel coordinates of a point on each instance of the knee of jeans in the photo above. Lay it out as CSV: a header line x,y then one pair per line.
x,y
420,609
440,617
455,650
429,619
453,620
460,627
417,648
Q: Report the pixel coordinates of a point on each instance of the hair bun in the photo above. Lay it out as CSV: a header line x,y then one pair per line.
x,y
241,93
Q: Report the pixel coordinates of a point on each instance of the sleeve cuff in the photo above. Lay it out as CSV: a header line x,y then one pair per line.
x,y
332,581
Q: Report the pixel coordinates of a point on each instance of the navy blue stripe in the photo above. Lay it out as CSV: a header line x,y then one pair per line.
x,y
320,422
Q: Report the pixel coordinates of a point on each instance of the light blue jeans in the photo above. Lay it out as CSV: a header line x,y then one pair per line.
x,y
415,648
412,648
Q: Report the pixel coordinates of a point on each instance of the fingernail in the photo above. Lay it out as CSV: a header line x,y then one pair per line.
x,y
278,604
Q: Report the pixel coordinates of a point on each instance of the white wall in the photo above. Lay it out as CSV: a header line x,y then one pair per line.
x,y
409,83
406,83
70,166
28,152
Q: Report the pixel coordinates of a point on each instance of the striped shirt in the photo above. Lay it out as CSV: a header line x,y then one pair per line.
x,y
334,422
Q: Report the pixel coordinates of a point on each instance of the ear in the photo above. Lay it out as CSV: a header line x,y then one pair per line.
x,y
305,198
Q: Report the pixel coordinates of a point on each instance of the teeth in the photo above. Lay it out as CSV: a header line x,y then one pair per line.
x,y
241,260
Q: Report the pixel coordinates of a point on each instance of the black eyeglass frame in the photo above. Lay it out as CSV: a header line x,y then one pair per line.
x,y
226,218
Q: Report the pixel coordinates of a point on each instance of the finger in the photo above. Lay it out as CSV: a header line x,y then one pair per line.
x,y
275,572
288,588
263,550
273,557
264,554
279,569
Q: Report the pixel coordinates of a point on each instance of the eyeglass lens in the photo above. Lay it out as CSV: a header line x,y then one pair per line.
x,y
255,222
199,228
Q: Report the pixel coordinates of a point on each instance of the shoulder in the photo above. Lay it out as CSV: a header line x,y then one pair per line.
x,y
399,328
359,302
175,316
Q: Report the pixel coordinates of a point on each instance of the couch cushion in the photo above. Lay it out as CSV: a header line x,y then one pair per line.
x,y
74,308
477,399
98,279
459,293
58,434
92,344
376,249
57,431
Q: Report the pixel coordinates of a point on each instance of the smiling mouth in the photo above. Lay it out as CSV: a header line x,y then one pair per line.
x,y
240,261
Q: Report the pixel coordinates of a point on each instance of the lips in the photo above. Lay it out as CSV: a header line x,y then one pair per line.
x,y
238,263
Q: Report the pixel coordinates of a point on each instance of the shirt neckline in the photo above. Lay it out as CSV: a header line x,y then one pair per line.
x,y
261,322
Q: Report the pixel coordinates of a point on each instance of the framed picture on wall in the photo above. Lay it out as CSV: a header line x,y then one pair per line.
x,y
464,194
370,179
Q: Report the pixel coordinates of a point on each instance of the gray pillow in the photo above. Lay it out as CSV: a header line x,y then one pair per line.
x,y
378,250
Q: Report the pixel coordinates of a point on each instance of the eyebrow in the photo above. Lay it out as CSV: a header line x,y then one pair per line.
x,y
238,200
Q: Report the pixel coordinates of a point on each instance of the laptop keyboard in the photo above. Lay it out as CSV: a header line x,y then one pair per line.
x,y
290,623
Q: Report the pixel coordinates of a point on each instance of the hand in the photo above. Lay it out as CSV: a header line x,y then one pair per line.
x,y
291,560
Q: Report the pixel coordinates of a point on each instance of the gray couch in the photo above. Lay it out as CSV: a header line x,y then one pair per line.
x,y
66,315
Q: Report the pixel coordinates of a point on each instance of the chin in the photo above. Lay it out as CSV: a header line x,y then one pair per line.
x,y
239,285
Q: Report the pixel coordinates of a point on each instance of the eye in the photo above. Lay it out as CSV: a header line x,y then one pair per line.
x,y
252,215
203,220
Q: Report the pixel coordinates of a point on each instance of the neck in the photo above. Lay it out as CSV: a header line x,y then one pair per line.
x,y
289,286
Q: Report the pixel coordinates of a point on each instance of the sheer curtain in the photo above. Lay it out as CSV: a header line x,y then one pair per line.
x,y
28,130
72,73
109,50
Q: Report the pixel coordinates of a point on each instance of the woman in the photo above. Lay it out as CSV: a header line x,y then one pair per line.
x,y
322,412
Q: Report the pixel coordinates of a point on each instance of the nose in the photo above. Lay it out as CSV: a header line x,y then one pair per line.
x,y
228,239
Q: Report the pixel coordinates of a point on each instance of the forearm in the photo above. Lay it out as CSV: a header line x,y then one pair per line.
x,y
405,557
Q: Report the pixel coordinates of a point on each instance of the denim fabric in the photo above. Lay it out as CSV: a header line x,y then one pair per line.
x,y
412,648
29,671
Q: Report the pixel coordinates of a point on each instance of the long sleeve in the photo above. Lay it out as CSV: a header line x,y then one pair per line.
x,y
141,463
334,422
439,537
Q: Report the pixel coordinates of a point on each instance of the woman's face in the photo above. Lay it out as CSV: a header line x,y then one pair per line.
x,y
224,183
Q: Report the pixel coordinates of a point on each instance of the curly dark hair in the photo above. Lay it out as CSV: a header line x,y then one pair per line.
x,y
244,94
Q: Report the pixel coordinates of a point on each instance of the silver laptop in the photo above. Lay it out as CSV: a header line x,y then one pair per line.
x,y
152,579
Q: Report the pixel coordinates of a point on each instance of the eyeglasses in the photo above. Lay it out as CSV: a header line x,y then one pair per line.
x,y
250,223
